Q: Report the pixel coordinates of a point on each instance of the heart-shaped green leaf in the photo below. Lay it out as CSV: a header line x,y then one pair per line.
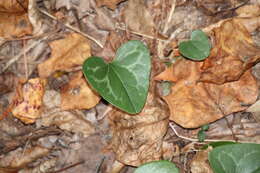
x,y
198,48
235,158
125,81
161,166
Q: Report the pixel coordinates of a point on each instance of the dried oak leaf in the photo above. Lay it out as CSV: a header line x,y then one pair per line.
x,y
73,121
65,54
14,21
138,139
138,18
77,94
27,102
112,4
194,103
233,53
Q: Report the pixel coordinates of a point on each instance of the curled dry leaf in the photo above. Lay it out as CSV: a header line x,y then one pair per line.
x,y
77,94
73,121
138,139
20,157
14,21
65,54
138,18
233,53
194,103
112,4
27,102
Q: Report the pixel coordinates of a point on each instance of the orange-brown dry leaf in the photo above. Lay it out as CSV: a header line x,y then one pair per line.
x,y
194,103
27,102
138,18
77,94
112,4
65,54
233,53
14,21
138,139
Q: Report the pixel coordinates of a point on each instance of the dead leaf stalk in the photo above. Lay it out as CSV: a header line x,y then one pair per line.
x,y
73,28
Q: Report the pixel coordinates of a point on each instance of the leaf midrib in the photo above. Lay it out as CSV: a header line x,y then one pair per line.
x,y
118,76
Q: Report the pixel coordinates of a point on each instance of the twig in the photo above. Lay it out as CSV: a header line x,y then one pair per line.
x,y
73,28
166,27
141,34
195,139
68,167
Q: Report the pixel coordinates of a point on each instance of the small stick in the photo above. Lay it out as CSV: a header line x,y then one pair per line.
x,y
195,139
140,34
68,167
166,27
73,28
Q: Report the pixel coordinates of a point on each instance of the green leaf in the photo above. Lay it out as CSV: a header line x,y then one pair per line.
x,y
201,135
217,144
161,166
235,158
124,82
205,127
198,48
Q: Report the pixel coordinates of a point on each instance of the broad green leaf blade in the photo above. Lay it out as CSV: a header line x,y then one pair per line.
x,y
162,166
198,48
235,158
125,81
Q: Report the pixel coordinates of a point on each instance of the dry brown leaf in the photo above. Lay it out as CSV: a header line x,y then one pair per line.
x,y
104,20
193,103
138,18
112,4
73,121
45,166
138,139
27,103
66,54
255,110
14,21
77,94
113,42
20,157
233,53
251,10
200,163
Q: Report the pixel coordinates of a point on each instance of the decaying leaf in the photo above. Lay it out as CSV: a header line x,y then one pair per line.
x,y
14,21
77,94
27,103
66,54
73,121
194,103
138,139
138,18
251,10
45,166
200,163
112,4
255,110
20,157
233,53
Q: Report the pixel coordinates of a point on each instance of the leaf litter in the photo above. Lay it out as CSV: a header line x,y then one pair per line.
x,y
94,135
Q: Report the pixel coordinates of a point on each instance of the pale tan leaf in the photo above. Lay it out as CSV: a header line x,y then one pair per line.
x,y
78,89
66,54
